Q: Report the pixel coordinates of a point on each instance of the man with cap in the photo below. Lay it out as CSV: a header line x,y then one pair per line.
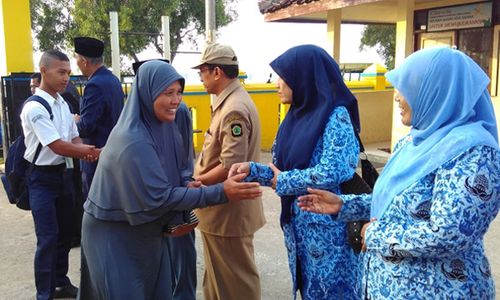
x,y
233,136
101,104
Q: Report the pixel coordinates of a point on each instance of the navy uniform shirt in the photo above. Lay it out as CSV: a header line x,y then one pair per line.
x,y
101,106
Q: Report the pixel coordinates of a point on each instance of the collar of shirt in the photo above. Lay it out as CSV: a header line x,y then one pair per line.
x,y
51,100
226,92
98,70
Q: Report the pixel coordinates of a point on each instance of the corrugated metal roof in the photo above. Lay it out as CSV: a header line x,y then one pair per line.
x,y
269,6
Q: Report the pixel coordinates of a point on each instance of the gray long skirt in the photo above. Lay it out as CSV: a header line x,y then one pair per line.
x,y
120,261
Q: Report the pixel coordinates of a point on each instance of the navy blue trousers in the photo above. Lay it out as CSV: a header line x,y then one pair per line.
x,y
52,208
86,182
183,263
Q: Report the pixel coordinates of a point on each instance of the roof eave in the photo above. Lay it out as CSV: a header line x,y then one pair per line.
x,y
298,12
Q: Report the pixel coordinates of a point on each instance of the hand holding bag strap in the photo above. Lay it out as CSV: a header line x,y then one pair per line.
x,y
359,185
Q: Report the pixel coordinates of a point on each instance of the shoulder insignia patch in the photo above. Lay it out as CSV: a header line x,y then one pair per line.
x,y
236,130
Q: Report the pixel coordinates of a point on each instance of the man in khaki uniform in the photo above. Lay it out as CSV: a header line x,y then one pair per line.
x,y
233,136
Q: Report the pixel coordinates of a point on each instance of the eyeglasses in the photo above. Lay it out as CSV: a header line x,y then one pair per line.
x,y
203,70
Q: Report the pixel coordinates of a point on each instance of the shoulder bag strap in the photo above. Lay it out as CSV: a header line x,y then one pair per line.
x,y
49,110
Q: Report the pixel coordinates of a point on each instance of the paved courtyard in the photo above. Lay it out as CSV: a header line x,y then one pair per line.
x,y
17,246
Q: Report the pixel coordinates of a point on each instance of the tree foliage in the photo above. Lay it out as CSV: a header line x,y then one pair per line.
x,y
383,37
50,21
57,22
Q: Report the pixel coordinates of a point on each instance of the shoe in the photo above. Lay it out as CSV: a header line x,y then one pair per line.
x,y
68,291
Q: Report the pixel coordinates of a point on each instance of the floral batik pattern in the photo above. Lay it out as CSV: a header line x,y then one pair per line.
x,y
316,244
429,242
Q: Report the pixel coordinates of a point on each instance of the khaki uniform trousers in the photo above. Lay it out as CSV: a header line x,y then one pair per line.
x,y
230,270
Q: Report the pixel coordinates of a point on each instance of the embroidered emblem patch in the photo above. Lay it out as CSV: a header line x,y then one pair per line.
x,y
36,118
236,130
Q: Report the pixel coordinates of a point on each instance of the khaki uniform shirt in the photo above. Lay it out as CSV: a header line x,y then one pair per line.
x,y
233,136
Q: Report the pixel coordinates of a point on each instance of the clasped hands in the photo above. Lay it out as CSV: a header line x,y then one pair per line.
x,y
244,168
92,153
236,189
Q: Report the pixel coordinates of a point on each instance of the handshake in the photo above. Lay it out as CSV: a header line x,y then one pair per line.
x,y
234,186
91,153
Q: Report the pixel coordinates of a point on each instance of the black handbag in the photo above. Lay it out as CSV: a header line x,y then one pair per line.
x,y
359,185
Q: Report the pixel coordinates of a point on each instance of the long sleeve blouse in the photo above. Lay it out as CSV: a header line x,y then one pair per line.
x,y
431,236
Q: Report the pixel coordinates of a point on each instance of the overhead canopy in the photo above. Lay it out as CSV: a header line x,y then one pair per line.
x,y
353,11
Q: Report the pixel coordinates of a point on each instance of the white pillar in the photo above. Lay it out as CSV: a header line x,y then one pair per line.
x,y
115,43
334,20
404,30
210,20
165,28
210,29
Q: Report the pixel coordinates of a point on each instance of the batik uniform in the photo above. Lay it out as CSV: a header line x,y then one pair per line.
x,y
429,243
322,264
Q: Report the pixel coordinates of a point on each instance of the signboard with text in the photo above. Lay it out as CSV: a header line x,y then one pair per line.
x,y
458,17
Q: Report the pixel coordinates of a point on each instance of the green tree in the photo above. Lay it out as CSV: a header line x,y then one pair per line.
x,y
383,37
50,21
56,22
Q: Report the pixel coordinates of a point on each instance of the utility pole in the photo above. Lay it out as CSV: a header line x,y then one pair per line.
x,y
115,43
210,28
210,20
165,26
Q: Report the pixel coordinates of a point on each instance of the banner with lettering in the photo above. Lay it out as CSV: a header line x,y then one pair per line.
x,y
459,17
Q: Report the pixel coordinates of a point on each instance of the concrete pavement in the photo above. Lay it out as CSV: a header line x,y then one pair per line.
x,y
17,246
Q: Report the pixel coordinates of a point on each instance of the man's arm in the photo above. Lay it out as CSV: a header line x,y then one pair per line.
x,y
216,175
78,150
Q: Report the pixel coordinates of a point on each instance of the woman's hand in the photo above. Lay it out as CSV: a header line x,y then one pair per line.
x,y
276,172
194,184
363,232
239,168
321,202
237,190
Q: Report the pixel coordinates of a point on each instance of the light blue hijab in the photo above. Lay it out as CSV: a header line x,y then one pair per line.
x,y
451,112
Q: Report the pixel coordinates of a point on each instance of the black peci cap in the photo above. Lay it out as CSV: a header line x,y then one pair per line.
x,y
136,65
88,46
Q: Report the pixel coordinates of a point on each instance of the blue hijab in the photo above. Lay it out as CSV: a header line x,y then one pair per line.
x,y
318,88
142,156
451,112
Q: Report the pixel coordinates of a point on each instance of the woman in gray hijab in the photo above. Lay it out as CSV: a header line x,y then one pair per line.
x,y
137,191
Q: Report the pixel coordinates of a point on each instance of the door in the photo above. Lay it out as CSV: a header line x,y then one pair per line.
x,y
435,39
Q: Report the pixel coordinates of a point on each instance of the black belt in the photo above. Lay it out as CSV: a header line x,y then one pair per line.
x,y
52,168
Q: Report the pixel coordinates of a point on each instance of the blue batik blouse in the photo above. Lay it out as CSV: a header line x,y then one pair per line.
x,y
316,244
429,242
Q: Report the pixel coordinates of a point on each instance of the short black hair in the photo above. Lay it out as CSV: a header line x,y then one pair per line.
x,y
36,76
231,71
49,55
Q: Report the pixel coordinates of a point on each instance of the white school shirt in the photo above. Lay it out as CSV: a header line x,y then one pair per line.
x,y
39,128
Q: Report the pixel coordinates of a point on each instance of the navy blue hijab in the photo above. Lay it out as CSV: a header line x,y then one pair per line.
x,y
318,88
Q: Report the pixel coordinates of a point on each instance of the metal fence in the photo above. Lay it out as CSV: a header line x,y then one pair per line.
x,y
15,89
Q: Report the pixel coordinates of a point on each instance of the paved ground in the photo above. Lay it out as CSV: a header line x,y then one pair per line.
x,y
17,244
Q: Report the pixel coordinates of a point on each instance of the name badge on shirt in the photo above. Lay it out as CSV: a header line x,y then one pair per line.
x,y
69,162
